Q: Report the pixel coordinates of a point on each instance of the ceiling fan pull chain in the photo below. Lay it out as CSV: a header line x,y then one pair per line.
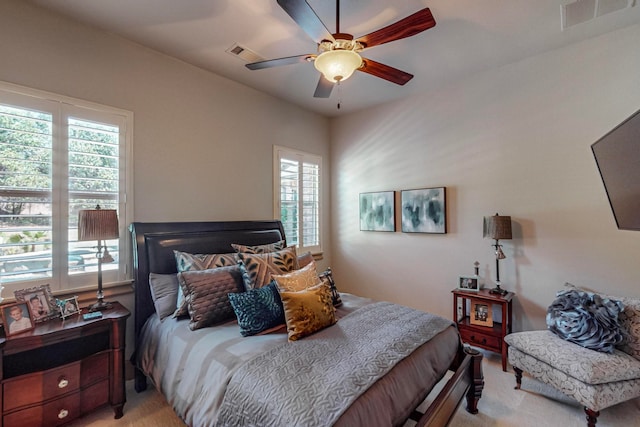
x,y
339,94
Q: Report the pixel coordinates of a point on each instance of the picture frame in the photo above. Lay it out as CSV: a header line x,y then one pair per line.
x,y
17,318
469,283
377,211
41,301
424,210
69,307
481,313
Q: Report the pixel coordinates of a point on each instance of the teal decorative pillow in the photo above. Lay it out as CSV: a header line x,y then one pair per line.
x,y
586,319
206,293
257,309
258,268
190,262
259,249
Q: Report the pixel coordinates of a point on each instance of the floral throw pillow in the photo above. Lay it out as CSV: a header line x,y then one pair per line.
x,y
586,319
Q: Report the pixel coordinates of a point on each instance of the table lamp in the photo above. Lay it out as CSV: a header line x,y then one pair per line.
x,y
98,224
498,228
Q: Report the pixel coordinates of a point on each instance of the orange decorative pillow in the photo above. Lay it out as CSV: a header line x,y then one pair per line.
x,y
308,311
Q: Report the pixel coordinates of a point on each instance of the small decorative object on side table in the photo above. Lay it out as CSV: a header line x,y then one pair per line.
x,y
59,371
472,330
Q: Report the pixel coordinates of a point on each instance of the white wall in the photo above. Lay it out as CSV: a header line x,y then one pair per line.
x,y
202,143
515,141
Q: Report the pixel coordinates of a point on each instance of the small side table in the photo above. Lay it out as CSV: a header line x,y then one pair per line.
x,y
488,337
62,370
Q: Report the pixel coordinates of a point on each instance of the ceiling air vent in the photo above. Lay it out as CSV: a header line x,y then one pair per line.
x,y
578,11
244,53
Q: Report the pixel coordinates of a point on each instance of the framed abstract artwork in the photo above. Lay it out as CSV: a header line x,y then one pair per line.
x,y
377,211
424,210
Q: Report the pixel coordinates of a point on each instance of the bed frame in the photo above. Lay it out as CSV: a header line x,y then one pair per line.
x,y
153,246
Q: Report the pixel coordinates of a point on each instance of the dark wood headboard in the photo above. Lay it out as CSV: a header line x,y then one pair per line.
x,y
154,243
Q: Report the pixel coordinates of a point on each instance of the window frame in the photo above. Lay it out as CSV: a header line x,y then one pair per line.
x,y
62,108
301,157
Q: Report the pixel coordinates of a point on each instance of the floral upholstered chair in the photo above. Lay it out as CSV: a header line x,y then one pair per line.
x,y
582,354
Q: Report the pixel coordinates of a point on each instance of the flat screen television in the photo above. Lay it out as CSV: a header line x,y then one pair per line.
x,y
617,155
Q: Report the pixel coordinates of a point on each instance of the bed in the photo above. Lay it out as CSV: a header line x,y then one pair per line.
x,y
211,375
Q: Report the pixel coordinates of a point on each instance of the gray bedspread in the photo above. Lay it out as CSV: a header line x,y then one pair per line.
x,y
300,384
192,369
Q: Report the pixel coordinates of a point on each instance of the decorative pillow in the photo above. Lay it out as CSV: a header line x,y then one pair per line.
x,y
297,280
164,292
327,277
304,259
191,262
257,309
260,249
206,293
629,320
308,311
258,268
586,319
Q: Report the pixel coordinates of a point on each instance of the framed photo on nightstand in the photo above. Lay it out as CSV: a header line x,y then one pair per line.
x,y
469,283
481,313
17,318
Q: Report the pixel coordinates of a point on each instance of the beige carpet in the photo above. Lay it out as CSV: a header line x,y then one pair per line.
x,y
536,405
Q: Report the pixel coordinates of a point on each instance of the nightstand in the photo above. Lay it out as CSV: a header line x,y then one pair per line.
x,y
62,370
488,337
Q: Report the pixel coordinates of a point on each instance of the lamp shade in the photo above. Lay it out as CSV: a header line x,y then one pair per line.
x,y
337,65
97,224
497,227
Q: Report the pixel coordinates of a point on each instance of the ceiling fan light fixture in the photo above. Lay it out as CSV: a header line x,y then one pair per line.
x,y
337,65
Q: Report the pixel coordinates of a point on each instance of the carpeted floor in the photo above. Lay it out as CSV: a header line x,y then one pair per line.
x,y
536,405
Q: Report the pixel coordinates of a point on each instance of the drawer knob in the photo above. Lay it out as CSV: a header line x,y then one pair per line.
x,y
63,414
63,382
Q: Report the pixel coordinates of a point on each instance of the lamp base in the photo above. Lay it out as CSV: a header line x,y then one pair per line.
x,y
99,306
498,290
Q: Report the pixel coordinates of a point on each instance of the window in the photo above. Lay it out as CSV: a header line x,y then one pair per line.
x,y
297,197
57,156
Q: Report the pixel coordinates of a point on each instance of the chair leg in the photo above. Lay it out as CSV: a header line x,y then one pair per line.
x,y
518,372
592,417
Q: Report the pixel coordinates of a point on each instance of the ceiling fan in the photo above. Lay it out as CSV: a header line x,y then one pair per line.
x,y
339,54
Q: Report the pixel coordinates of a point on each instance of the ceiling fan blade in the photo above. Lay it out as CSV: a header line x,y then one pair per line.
x,y
279,61
385,72
307,19
407,27
324,88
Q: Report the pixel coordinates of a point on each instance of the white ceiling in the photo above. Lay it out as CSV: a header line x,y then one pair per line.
x,y
470,37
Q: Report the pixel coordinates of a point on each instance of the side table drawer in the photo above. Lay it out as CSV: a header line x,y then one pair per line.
x,y
480,339
40,386
55,413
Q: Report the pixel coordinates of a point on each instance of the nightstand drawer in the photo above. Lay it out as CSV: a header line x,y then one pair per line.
x,y
474,337
55,413
40,386
95,368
